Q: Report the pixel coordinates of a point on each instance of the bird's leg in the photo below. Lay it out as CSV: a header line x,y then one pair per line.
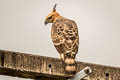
x,y
62,56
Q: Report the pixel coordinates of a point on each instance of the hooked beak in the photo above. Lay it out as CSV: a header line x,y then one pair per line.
x,y
46,22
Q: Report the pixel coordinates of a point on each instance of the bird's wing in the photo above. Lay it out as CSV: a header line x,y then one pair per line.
x,y
65,36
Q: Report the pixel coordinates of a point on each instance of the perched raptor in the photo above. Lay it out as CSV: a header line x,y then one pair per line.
x,y
64,33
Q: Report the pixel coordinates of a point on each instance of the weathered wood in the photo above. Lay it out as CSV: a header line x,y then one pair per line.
x,y
46,68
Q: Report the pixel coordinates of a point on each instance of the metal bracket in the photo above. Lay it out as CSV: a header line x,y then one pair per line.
x,y
82,74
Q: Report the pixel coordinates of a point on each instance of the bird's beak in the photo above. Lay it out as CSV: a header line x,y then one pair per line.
x,y
46,22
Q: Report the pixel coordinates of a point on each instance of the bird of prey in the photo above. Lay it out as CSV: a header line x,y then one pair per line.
x,y
64,34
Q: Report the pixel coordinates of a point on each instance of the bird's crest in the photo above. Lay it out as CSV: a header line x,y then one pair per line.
x,y
54,8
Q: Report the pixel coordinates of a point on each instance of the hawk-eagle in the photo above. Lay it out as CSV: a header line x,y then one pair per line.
x,y
64,34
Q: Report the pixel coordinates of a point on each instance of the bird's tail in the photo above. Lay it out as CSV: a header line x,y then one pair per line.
x,y
70,67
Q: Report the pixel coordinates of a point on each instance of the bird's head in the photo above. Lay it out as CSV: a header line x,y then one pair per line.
x,y
51,16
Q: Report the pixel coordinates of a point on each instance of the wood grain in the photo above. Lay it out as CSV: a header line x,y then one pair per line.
x,y
46,68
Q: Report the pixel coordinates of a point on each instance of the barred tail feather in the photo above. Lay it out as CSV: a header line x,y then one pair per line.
x,y
70,67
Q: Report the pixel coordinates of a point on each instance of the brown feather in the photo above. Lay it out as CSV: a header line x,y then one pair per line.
x,y
65,37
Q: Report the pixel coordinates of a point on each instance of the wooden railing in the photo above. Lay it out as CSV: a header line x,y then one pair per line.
x,y
46,68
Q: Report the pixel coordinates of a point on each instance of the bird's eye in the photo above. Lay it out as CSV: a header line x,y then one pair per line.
x,y
50,17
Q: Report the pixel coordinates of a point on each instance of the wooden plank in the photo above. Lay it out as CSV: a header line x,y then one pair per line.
x,y
47,68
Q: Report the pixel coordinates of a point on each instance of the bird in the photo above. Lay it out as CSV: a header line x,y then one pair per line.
x,y
65,37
